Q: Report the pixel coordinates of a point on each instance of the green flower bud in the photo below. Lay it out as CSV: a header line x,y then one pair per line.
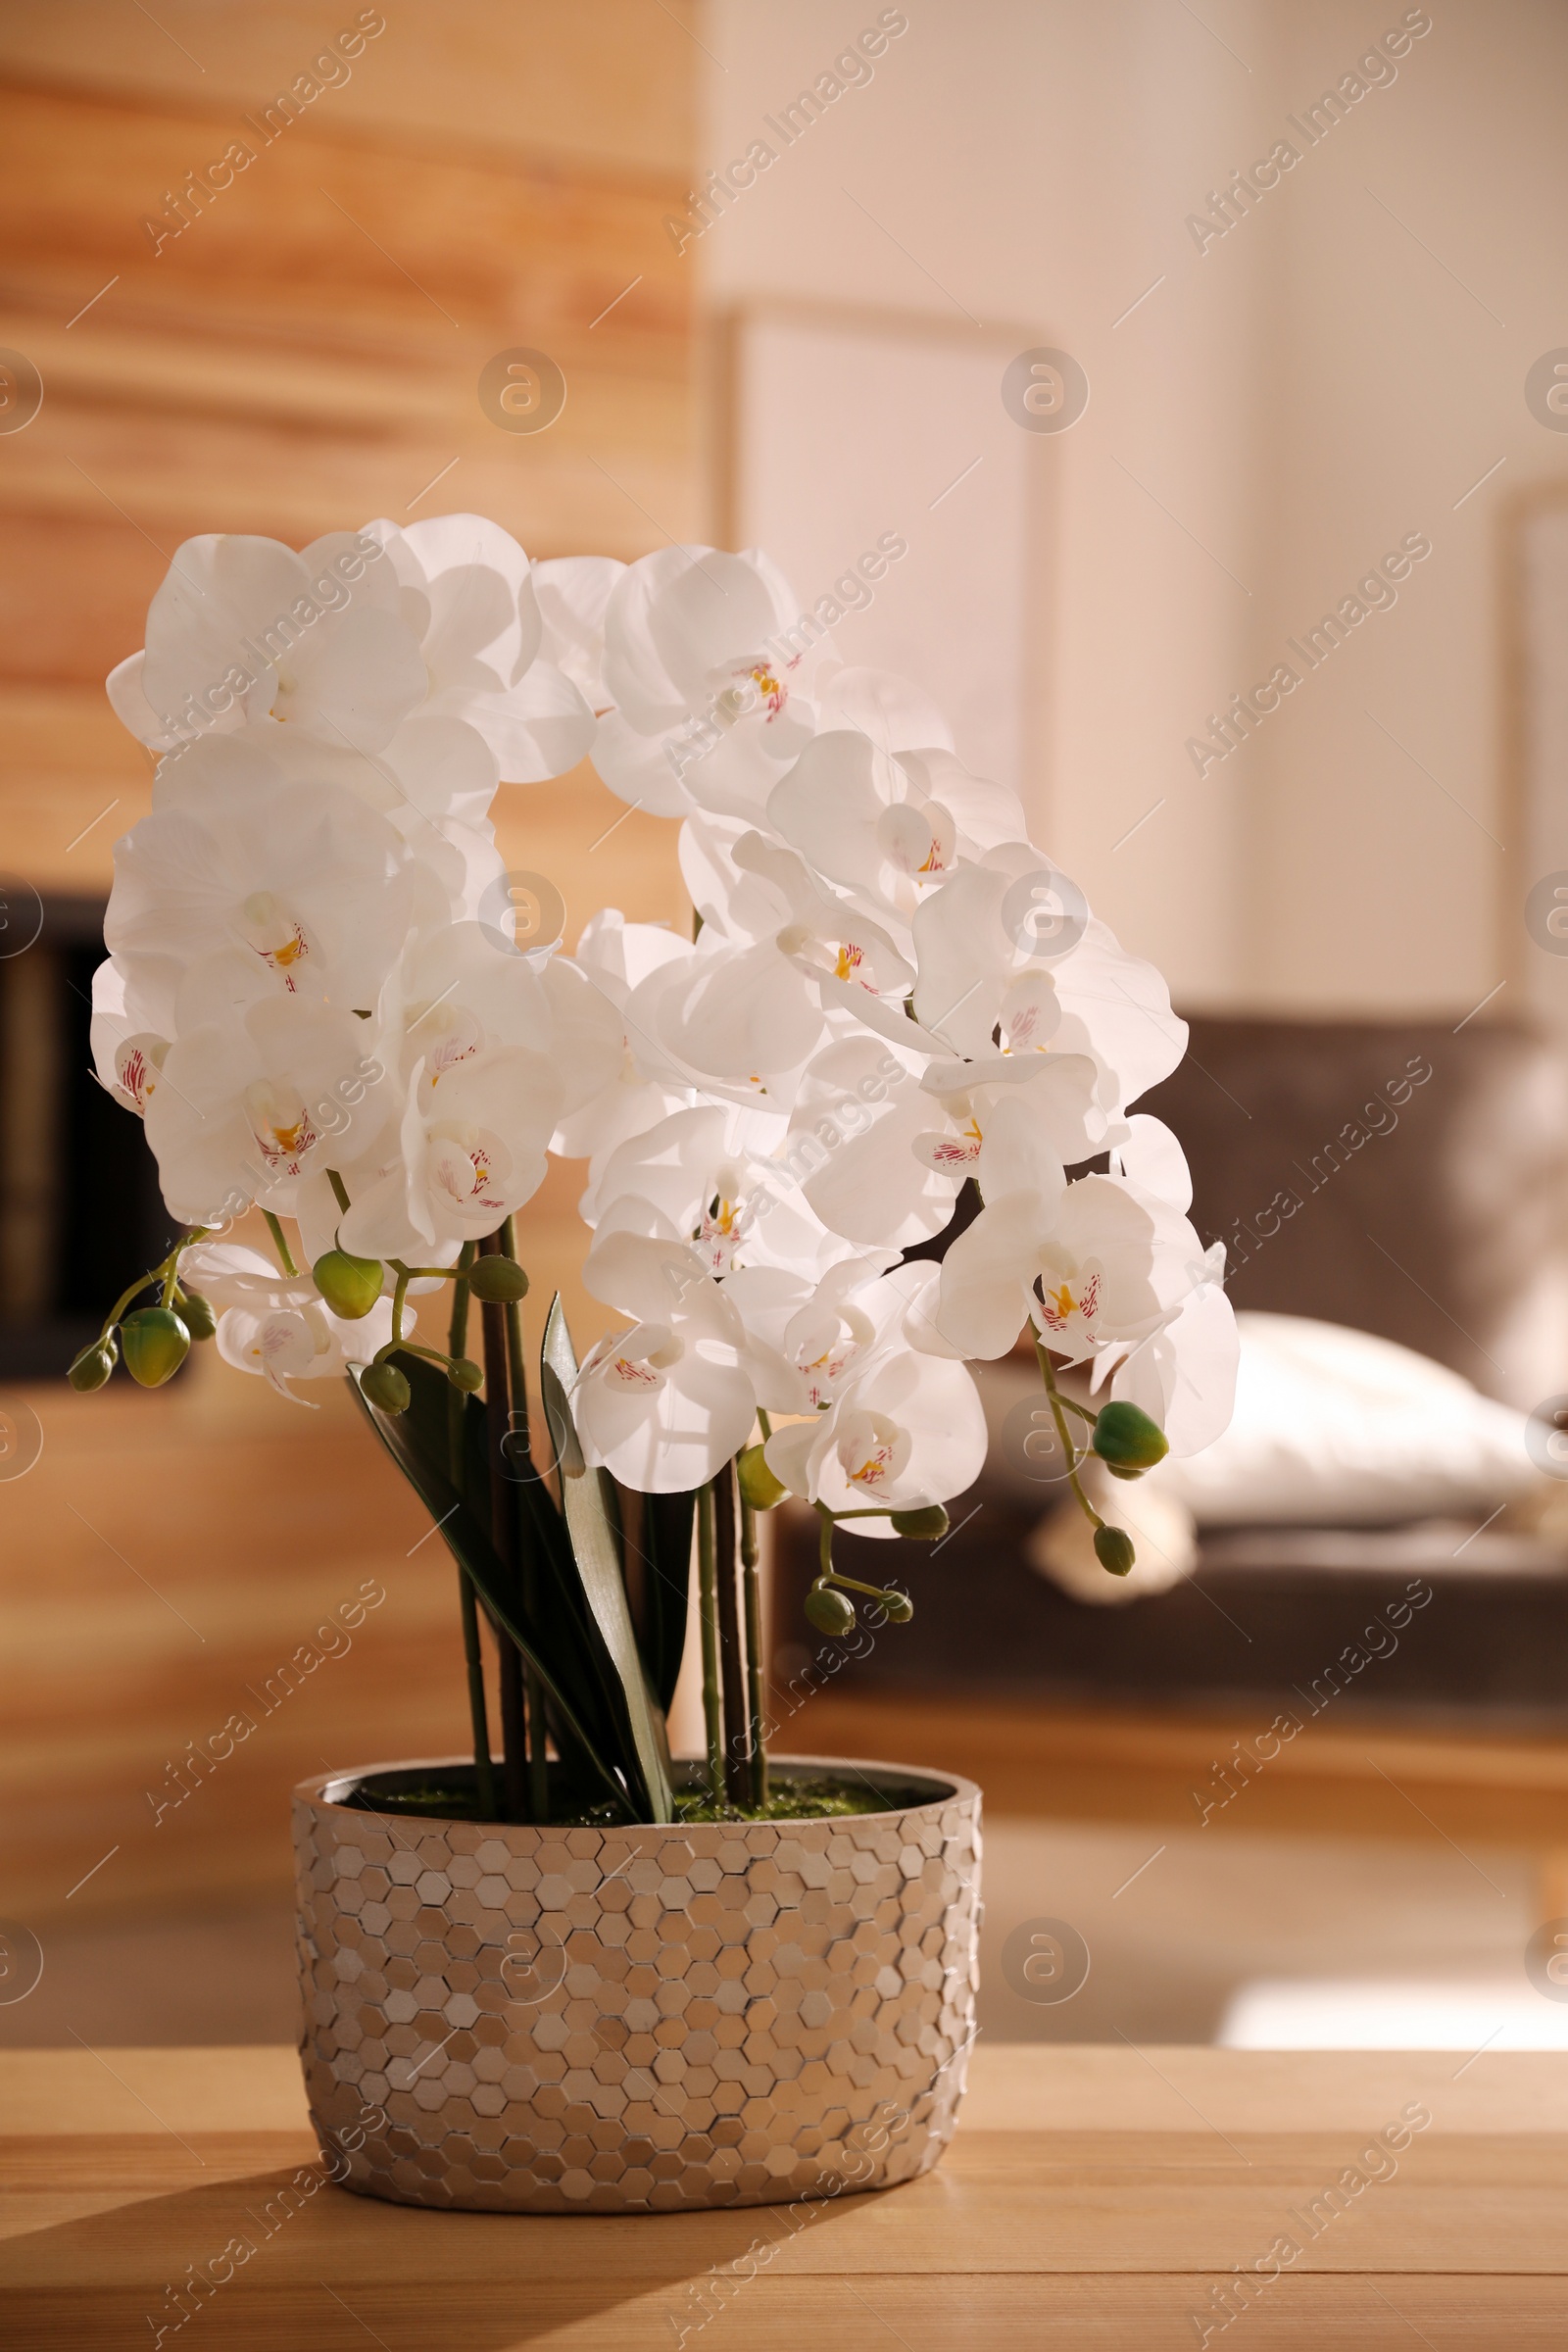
x,y
155,1343
351,1286
498,1281
1119,1470
196,1313
93,1365
463,1373
928,1525
899,1609
385,1385
1127,1439
1113,1549
761,1490
830,1610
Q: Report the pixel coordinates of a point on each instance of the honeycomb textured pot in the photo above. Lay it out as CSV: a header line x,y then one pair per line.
x,y
524,2020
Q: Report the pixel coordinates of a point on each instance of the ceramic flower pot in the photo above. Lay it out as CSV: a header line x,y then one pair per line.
x,y
524,2020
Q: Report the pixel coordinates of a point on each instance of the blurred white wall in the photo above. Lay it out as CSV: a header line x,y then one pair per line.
x,y
1284,406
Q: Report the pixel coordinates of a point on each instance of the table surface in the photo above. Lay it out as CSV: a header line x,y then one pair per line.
x,y
1093,2197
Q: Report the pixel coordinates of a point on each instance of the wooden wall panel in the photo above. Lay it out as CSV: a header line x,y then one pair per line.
x,y
605,82
163,1554
277,369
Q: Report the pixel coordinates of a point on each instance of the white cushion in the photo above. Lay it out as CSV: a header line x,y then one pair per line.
x,y
1335,1428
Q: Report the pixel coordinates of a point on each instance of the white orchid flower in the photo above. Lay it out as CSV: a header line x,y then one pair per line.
x,y
859,1113
706,686
241,1112
1009,953
640,1084
432,784
469,1151
462,993
466,590
732,1203
573,594
882,1147
665,1403
263,890
349,639
128,1052
904,1429
887,826
806,1339
1096,1265
750,1005
242,631
1052,1096
1183,1375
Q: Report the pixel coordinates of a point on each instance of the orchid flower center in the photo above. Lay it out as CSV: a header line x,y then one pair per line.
x,y
757,683
470,1166
872,1452
917,841
959,1151
725,1223
276,936
822,1341
281,1124
449,1034
1076,1295
137,1065
1030,1014
635,1361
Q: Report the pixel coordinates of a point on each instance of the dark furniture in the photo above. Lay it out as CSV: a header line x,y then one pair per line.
x,y
81,1212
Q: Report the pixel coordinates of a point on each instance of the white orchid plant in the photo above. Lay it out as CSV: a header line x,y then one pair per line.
x,y
870,1123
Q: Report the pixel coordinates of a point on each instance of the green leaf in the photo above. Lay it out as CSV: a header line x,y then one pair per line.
x,y
468,1542
584,1501
557,1609
667,1556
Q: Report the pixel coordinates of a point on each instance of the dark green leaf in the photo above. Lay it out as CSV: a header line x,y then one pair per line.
x,y
470,1542
667,1565
583,1498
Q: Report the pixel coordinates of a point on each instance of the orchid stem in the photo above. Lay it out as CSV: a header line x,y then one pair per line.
x,y
731,1658
532,1689
708,1600
754,1652
340,1190
124,1300
506,1534
285,1256
1068,1448
167,1271
485,1776
835,1576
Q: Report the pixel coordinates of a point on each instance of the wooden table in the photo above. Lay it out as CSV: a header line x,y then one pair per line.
x,y
1092,2199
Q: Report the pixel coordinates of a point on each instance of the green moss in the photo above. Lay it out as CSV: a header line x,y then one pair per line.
x,y
791,1800
795,1801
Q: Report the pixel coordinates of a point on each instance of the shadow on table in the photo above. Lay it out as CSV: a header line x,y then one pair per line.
x,y
328,2269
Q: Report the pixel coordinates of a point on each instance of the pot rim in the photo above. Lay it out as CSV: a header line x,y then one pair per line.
x,y
322,1792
